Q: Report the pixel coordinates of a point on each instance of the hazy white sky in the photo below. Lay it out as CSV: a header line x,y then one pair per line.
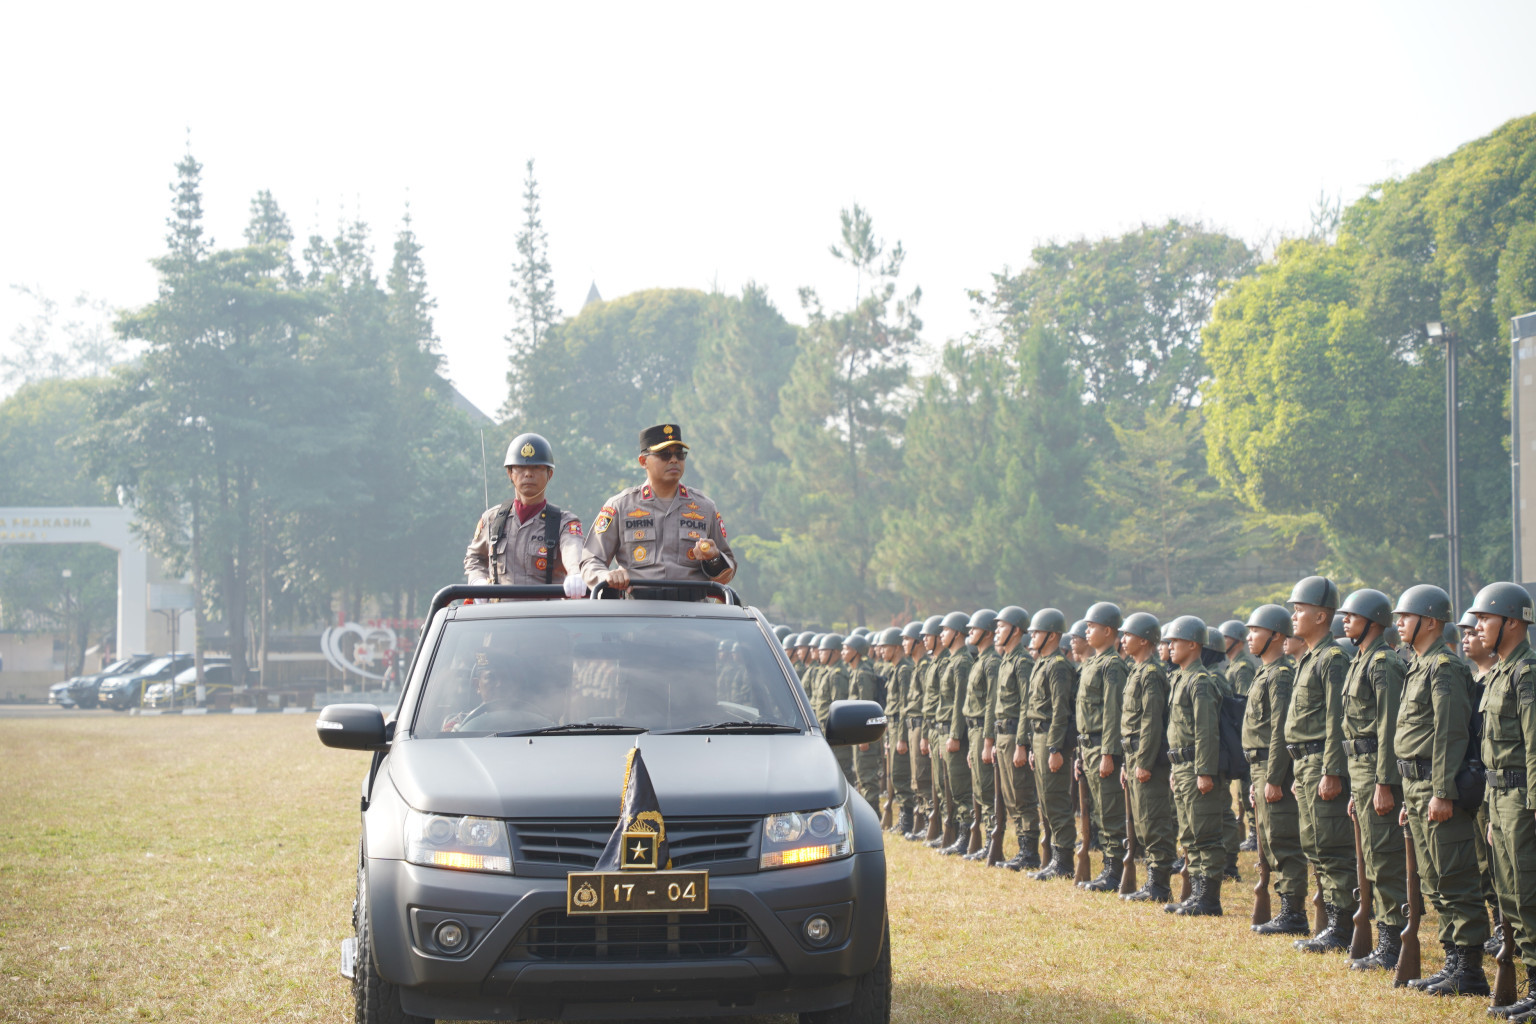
x,y
711,144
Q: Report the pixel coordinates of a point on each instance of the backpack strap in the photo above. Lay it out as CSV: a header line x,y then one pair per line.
x,y
551,516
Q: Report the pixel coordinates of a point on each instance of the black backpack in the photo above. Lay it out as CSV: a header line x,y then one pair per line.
x,y
1229,721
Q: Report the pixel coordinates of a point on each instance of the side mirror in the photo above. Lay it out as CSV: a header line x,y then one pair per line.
x,y
352,727
855,721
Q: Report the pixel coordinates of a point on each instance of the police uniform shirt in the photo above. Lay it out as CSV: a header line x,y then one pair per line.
x,y
522,555
652,538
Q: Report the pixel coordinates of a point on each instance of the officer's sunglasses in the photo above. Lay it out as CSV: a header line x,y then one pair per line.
x,y
668,454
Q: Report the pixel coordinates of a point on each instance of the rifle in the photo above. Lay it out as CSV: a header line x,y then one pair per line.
x,y
936,814
1504,979
1409,959
1261,910
1319,910
999,814
1045,835
974,843
889,815
1184,884
1128,872
1084,871
1360,942
949,809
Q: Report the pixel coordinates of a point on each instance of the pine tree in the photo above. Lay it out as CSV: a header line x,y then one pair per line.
x,y
533,294
184,238
410,306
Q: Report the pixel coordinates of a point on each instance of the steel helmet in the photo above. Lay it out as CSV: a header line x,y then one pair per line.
x,y
1450,634
787,640
859,631
1233,629
1369,604
1186,627
1079,630
1015,616
1314,590
984,619
857,644
1271,617
955,621
1103,613
831,641
530,450
932,624
1391,637
1144,625
890,637
1214,640
1348,646
912,630
1336,626
1048,620
1424,599
781,631
1468,620
1507,599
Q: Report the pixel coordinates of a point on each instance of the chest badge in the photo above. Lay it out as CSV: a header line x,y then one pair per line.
x,y
640,554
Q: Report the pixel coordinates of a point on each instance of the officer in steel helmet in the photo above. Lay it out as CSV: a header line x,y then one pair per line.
x,y
980,685
526,540
1269,765
863,684
1100,689
1049,711
1314,735
1341,636
1194,751
896,667
1009,752
659,529
1504,613
952,681
832,684
1433,742
910,741
1144,738
942,823
1373,689
1078,650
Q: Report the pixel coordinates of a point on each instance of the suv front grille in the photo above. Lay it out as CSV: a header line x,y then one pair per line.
x,y
606,938
574,844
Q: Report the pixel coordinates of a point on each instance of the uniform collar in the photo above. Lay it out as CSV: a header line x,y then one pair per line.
x,y
527,512
646,494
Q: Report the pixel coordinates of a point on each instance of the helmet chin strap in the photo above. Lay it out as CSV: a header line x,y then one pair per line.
x,y
1272,635
1498,639
1418,624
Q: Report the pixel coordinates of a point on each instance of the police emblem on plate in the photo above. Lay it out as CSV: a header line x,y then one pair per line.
x,y
527,451
586,896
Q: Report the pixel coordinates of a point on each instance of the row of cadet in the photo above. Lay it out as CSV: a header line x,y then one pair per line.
x,y
1366,750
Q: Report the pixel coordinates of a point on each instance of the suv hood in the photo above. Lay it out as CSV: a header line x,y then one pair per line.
x,y
583,776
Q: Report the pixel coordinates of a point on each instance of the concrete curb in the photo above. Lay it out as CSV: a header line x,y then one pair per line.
x,y
170,712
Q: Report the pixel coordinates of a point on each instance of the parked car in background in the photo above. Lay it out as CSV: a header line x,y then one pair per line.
x,y
126,689
218,675
58,694
83,689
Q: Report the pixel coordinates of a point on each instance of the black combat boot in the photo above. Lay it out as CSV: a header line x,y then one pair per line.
x,y
1196,883
904,823
1384,956
1290,920
1155,891
919,830
1059,867
1452,954
962,841
1251,844
1109,878
1231,870
1177,867
1467,980
1341,928
1209,902
1523,1008
1029,849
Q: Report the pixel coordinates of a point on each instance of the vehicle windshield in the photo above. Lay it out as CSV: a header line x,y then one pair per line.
x,y
158,665
601,673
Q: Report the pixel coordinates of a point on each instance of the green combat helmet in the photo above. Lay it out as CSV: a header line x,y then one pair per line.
x,y
857,644
1079,630
912,630
984,619
956,621
1424,599
1187,627
1510,600
932,625
1233,629
1314,590
1271,617
1103,613
889,637
1369,604
1015,616
1048,620
831,641
1144,625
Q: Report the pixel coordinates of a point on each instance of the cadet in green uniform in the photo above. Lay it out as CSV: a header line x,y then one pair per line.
x,y
1100,689
953,676
1432,742
1504,613
933,741
1194,746
1242,667
1373,687
1010,748
1314,735
1049,710
832,684
863,684
1214,657
1269,764
1481,660
1144,737
979,686
893,668
910,744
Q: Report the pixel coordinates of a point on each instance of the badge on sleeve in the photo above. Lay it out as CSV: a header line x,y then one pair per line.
x,y
575,527
605,519
720,523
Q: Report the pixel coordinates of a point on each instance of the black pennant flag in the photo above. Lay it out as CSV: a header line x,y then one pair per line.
x,y
639,841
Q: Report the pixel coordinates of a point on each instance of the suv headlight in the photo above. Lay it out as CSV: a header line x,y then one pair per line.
x,y
805,837
464,843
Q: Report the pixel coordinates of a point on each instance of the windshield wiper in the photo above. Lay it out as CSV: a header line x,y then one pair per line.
x,y
732,727
576,727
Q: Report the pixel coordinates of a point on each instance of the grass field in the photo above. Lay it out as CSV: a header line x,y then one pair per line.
x,y
170,869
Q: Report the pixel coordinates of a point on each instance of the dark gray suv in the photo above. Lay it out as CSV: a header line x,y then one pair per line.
x,y
497,783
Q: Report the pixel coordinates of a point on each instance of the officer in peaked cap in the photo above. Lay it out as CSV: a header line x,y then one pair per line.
x,y
658,530
526,540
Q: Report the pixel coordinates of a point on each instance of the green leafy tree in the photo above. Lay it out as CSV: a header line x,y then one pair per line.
x,y
533,296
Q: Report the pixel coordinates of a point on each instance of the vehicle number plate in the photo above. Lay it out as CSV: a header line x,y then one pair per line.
x,y
636,892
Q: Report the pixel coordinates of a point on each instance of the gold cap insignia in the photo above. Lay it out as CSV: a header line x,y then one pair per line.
x,y
527,450
667,429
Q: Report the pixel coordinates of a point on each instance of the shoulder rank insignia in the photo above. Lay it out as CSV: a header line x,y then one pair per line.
x,y
646,494
682,491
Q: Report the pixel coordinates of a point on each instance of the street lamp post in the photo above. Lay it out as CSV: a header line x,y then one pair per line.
x,y
65,575
1438,333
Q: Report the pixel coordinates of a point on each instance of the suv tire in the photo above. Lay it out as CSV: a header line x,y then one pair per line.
x,y
375,1000
871,994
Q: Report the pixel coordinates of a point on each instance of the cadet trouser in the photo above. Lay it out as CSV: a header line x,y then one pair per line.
x,y
1381,838
1231,827
957,766
900,767
1281,834
1108,803
983,787
1484,856
1202,818
1327,834
939,770
1152,808
1447,867
1242,784
844,755
1020,801
866,768
1054,789
1514,865
918,771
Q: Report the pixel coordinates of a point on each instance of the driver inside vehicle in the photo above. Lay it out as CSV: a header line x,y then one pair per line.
x,y
509,698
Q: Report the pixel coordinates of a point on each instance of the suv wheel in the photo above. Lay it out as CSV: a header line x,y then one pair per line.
x,y
375,1000
871,995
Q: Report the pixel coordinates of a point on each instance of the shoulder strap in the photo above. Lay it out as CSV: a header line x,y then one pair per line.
x,y
551,516
499,523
